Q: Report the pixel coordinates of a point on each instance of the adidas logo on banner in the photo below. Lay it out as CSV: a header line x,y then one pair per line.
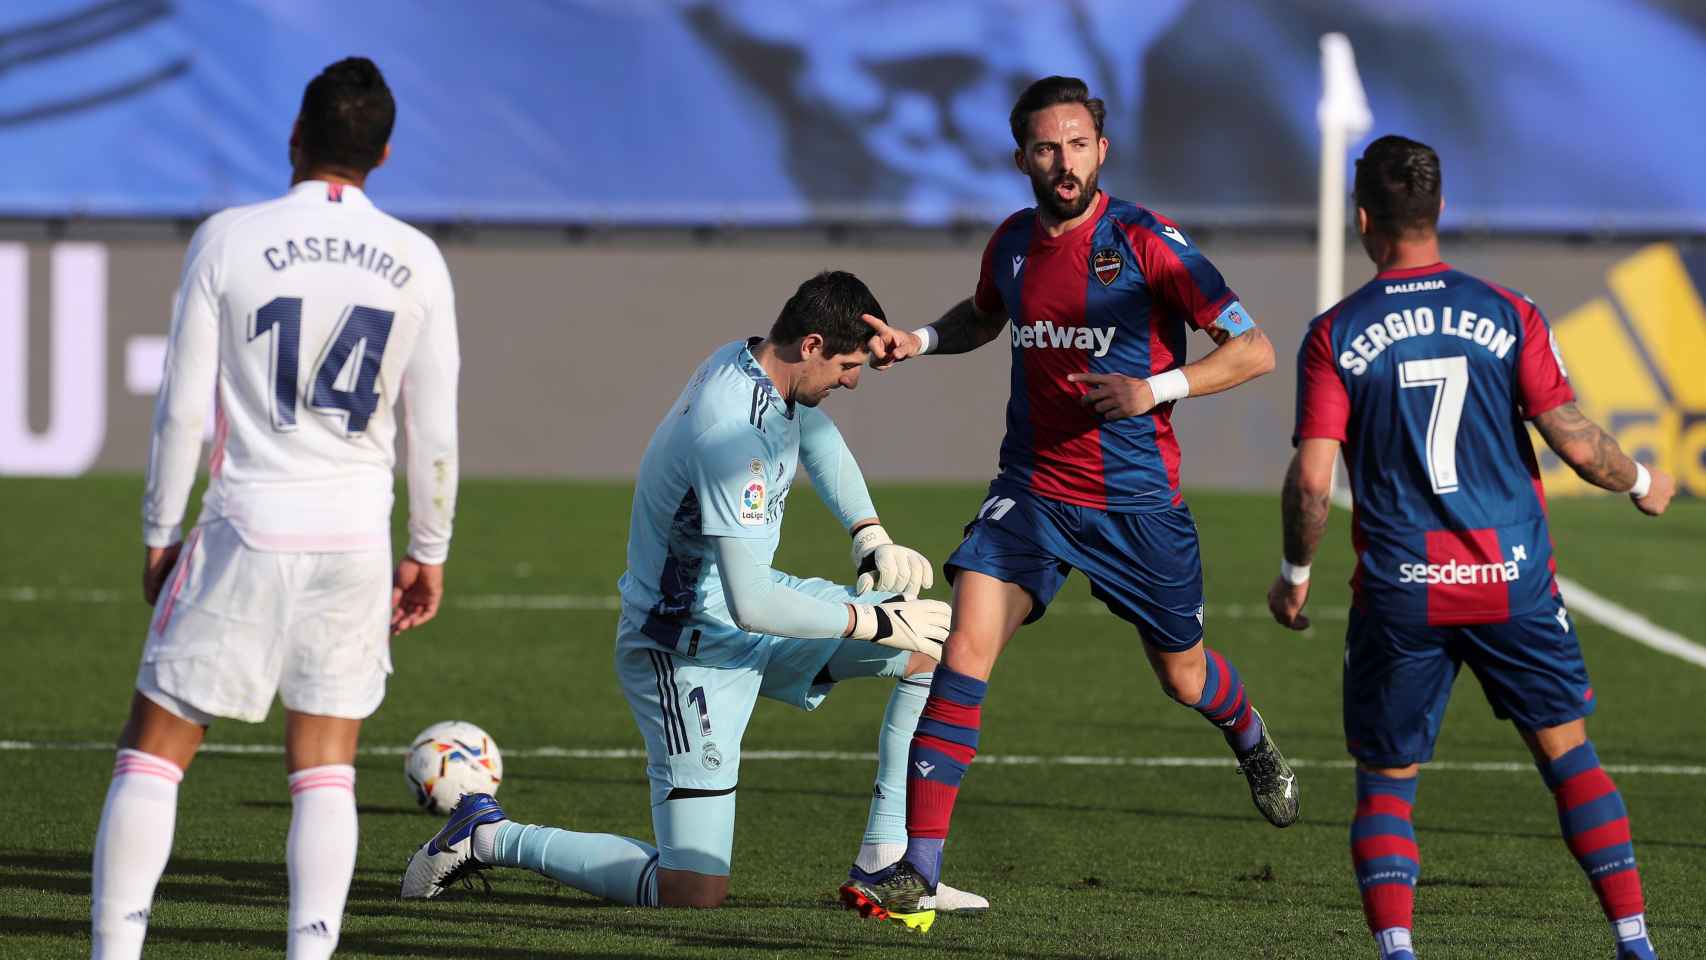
x,y
1634,358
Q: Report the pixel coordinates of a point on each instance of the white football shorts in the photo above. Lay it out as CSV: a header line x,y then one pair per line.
x,y
235,625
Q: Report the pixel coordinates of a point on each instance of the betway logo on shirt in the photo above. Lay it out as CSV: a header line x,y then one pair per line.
x,y
1044,335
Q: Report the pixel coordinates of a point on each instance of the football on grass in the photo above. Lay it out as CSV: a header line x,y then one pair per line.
x,y
449,759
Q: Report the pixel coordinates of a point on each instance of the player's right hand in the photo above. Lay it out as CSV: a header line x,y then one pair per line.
x,y
157,564
1285,602
416,591
917,625
1658,495
889,346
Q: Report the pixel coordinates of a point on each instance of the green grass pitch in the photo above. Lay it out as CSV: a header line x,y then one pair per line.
x,y
1079,860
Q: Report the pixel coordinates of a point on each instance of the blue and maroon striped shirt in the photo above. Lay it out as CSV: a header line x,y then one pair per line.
x,y
1115,294
1426,376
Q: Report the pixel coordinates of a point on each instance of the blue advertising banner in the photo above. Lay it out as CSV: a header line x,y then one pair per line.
x,y
1551,115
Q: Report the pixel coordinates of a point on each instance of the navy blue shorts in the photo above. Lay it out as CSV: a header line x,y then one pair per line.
x,y
1144,566
1398,679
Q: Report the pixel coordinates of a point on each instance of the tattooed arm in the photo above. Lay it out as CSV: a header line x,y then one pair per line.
x,y
1304,505
1307,499
962,329
1596,457
1589,451
965,328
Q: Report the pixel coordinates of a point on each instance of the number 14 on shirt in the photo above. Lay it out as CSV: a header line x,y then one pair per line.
x,y
361,335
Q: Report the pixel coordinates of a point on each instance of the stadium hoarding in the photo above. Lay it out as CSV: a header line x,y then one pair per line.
x,y
762,112
571,353
1637,359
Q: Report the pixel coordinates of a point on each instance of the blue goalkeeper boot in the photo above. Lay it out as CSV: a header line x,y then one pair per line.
x,y
449,856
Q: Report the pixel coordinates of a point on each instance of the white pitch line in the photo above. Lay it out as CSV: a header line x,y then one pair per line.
x,y
1607,613
536,601
546,602
1629,623
857,756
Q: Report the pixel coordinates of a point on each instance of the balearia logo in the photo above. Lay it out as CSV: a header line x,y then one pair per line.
x,y
1634,358
1045,335
1415,286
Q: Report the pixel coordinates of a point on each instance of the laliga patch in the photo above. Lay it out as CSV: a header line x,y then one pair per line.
x,y
1235,320
751,512
1557,355
1107,264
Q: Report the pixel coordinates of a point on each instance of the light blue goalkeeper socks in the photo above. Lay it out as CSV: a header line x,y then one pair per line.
x,y
602,864
887,820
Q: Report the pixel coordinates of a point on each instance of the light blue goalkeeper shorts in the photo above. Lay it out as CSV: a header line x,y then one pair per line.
x,y
693,716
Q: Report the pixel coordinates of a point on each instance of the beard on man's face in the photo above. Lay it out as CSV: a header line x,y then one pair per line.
x,y
1065,209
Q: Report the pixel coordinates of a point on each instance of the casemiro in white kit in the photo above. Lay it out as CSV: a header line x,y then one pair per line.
x,y
306,318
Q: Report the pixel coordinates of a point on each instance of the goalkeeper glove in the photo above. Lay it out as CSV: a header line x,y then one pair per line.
x,y
919,625
887,566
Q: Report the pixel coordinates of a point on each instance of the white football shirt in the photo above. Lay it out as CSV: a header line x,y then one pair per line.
x,y
308,318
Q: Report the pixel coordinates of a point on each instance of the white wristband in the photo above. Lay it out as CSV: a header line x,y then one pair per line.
x,y
864,622
928,337
1171,385
1293,574
1643,481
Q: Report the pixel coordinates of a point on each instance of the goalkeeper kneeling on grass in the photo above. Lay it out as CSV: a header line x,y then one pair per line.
x,y
708,627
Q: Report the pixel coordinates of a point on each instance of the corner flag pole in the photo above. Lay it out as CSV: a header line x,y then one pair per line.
x,y
1343,115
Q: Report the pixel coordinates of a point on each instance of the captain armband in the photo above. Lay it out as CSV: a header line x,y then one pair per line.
x,y
1234,320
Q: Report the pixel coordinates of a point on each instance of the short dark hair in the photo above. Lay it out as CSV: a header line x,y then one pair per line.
x,y
347,115
1398,183
1048,92
829,305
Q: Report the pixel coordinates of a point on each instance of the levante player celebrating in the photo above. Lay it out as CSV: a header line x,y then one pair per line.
x,y
1101,294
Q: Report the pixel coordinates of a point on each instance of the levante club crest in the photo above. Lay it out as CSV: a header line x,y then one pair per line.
x,y
1107,264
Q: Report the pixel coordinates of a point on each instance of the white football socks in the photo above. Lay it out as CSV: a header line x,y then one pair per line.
x,y
483,841
131,849
875,856
1395,944
1631,934
320,856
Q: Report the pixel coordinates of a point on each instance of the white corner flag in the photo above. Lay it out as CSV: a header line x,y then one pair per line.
x,y
1343,115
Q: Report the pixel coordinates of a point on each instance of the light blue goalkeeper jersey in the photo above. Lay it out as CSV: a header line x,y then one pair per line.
x,y
719,465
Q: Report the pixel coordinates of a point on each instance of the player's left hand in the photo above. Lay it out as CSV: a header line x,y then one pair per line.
x,y
416,591
1285,602
157,565
1658,495
1115,396
887,566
